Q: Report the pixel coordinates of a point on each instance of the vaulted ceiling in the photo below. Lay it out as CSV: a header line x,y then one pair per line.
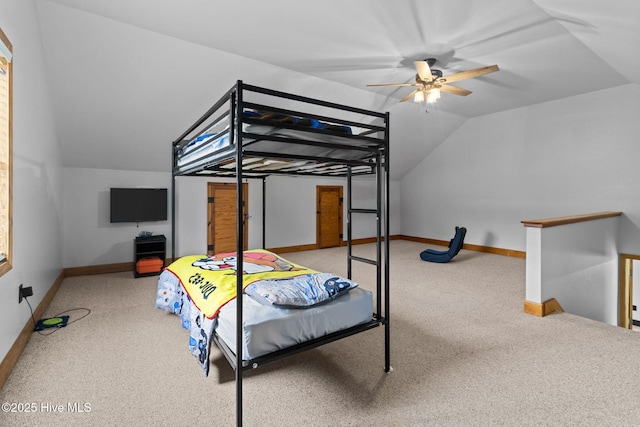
x,y
127,76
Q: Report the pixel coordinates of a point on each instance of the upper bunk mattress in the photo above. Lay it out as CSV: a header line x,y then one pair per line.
x,y
314,140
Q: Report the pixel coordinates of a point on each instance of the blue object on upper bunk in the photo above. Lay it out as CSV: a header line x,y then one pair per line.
x,y
274,119
455,245
203,137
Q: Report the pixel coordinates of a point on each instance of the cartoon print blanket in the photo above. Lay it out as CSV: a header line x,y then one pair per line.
x,y
211,281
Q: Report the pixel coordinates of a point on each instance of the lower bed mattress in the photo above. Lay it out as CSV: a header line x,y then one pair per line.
x,y
266,327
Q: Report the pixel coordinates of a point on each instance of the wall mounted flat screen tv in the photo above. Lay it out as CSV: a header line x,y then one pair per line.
x,y
138,204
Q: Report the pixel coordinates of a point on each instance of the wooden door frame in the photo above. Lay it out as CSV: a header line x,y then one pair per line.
x,y
625,287
319,189
245,213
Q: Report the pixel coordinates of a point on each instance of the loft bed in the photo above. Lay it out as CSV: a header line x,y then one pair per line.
x,y
254,132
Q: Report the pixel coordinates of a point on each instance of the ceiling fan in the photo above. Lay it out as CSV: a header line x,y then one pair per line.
x,y
430,82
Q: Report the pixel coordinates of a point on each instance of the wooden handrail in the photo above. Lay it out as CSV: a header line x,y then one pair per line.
x,y
552,222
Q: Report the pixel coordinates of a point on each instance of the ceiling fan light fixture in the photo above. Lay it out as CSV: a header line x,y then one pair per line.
x,y
430,96
433,95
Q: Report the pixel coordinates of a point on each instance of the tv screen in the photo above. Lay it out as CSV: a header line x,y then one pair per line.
x,y
138,204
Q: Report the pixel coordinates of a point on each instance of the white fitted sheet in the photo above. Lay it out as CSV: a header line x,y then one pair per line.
x,y
268,328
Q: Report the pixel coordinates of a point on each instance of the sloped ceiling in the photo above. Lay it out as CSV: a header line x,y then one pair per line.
x,y
127,76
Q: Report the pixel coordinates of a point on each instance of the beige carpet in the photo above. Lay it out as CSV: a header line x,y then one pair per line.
x,y
463,354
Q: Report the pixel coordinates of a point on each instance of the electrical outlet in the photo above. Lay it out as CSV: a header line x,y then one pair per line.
x,y
24,292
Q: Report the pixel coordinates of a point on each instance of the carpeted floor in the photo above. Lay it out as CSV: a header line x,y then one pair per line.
x,y
463,354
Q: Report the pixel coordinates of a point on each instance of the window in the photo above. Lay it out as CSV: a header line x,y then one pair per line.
x,y
6,156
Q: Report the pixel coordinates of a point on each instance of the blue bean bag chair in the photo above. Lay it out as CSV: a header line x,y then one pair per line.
x,y
455,245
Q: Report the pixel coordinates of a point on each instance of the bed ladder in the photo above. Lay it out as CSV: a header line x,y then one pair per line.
x,y
381,212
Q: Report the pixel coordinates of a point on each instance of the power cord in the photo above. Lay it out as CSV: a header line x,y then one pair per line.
x,y
57,315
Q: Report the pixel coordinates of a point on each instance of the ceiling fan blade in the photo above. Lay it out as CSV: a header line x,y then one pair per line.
x,y
454,90
469,74
408,97
394,84
423,70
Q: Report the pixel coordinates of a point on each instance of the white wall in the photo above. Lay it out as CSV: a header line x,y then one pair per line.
x,y
577,264
125,54
89,237
37,175
291,209
175,82
571,156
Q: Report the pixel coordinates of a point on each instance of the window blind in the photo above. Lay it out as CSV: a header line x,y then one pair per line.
x,y
6,56
5,51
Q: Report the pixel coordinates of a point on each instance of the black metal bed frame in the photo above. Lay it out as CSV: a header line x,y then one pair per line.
x,y
375,156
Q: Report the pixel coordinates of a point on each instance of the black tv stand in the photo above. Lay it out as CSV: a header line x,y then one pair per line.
x,y
149,246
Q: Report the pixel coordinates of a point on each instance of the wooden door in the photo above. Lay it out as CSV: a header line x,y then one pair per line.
x,y
221,217
329,216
